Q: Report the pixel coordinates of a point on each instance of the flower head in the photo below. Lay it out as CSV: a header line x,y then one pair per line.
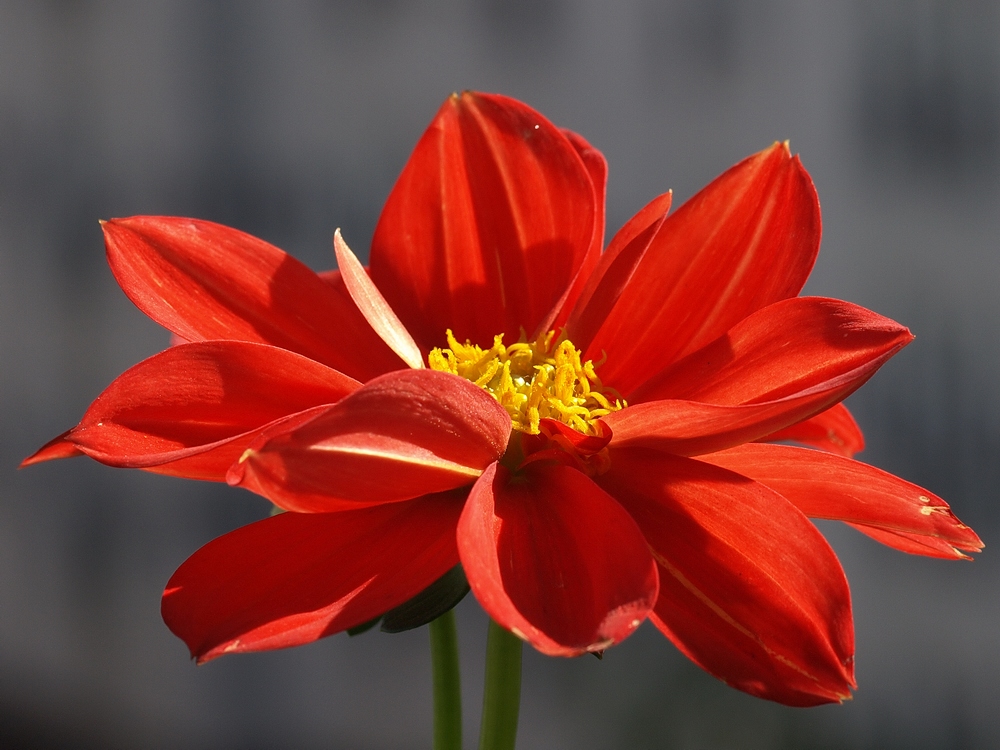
x,y
590,434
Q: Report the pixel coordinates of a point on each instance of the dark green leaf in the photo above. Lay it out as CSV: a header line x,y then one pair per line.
x,y
363,627
429,604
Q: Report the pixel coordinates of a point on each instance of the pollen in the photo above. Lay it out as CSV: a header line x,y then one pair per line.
x,y
533,380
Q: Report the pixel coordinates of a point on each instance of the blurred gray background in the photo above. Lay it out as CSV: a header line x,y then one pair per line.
x,y
290,119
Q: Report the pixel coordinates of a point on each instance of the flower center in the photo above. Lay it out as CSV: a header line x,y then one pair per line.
x,y
532,380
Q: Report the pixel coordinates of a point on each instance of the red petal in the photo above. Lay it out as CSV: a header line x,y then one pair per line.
x,y
823,485
615,270
213,461
749,589
552,558
57,447
597,166
488,224
833,430
802,380
689,428
335,280
207,399
782,350
747,240
205,281
292,579
373,306
551,431
915,544
402,435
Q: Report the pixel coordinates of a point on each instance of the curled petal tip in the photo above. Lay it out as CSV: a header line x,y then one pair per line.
x,y
234,477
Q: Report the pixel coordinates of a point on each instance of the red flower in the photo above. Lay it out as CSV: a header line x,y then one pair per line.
x,y
580,498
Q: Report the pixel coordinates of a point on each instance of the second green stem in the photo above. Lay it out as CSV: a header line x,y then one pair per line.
x,y
502,691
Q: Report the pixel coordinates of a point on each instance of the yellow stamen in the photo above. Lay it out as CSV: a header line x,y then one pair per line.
x,y
532,380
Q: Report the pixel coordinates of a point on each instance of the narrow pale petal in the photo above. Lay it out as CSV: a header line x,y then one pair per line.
x,y
293,578
614,272
488,224
205,399
373,306
749,589
823,485
402,435
746,241
779,351
833,430
552,558
204,281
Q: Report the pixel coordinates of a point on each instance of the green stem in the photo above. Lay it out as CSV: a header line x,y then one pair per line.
x,y
502,693
447,683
